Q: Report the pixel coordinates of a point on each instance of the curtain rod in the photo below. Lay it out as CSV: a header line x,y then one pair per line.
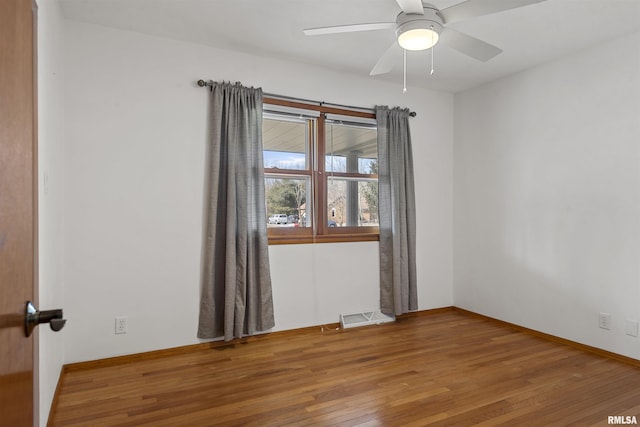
x,y
209,83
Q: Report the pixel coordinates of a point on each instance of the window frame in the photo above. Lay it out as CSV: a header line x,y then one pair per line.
x,y
319,232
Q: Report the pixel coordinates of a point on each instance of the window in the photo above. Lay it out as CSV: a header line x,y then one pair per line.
x,y
351,164
321,174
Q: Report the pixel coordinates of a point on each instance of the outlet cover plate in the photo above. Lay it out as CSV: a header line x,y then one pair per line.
x,y
605,321
632,327
121,324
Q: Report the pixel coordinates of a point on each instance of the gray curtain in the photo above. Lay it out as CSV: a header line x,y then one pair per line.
x,y
236,295
397,212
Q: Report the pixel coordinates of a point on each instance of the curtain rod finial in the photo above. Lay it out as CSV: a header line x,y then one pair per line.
x,y
201,83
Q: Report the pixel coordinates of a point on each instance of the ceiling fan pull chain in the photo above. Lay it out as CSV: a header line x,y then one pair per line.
x,y
433,47
404,89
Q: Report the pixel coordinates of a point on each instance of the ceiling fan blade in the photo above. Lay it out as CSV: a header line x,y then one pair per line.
x,y
350,28
471,46
471,8
411,6
386,61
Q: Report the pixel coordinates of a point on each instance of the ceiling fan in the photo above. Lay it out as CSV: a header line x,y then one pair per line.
x,y
419,26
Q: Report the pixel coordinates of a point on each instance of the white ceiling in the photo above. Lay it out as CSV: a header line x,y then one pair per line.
x,y
528,36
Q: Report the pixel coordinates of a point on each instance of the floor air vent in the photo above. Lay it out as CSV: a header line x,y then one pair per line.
x,y
363,319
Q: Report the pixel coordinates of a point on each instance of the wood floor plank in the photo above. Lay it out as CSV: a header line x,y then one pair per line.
x,y
449,368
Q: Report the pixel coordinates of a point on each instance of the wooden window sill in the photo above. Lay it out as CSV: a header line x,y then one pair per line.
x,y
326,238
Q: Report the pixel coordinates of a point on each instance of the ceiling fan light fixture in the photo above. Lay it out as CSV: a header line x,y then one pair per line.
x,y
419,32
418,39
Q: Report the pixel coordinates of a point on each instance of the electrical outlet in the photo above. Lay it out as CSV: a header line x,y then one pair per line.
x,y
632,327
605,321
121,324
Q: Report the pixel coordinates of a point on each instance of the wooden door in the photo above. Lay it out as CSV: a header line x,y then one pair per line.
x,y
18,207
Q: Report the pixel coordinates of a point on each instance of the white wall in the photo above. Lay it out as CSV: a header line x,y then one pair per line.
x,y
134,162
51,209
547,196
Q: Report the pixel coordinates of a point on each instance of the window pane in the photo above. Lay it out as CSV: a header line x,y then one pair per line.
x,y
352,203
350,148
287,203
285,143
335,163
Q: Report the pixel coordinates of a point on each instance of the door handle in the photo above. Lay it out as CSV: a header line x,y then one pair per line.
x,y
33,317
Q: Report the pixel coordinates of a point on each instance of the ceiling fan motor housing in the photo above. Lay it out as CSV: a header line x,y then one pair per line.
x,y
431,20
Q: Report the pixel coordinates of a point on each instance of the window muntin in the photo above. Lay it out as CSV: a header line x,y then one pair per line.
x,y
330,200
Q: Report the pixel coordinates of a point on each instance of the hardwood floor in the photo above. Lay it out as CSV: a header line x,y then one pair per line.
x,y
447,368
